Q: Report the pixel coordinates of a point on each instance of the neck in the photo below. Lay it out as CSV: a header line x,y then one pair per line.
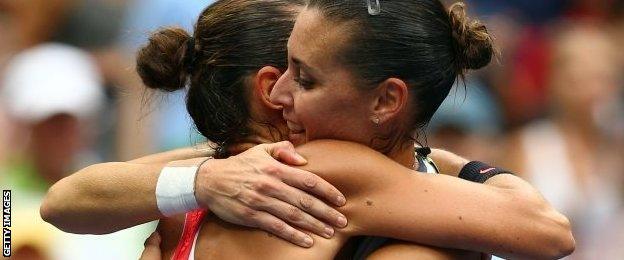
x,y
261,134
247,143
404,154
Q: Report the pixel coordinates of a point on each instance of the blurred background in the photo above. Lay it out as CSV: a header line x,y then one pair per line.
x,y
550,109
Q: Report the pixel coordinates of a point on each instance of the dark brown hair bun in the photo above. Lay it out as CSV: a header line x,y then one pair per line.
x,y
161,62
474,45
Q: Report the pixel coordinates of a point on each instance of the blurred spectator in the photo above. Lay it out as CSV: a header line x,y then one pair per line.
x,y
91,24
522,90
52,94
49,101
589,9
572,156
528,11
521,29
111,30
33,21
468,122
617,25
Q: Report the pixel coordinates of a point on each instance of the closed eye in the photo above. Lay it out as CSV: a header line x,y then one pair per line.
x,y
305,84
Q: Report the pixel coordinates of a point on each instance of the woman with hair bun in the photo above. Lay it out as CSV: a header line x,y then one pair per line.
x,y
370,76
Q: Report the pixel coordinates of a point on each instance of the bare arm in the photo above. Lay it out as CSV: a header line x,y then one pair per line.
x,y
448,163
103,198
506,217
108,197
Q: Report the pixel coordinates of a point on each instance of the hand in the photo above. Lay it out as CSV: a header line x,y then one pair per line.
x,y
254,189
152,248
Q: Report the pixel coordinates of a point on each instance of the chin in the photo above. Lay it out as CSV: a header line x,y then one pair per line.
x,y
297,139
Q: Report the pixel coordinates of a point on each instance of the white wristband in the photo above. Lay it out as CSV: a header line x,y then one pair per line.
x,y
175,190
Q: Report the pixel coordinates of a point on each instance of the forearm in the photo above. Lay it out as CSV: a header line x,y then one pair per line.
x,y
506,219
535,207
103,198
108,197
549,233
448,163
506,216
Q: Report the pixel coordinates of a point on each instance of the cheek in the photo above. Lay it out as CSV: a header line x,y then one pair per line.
x,y
310,108
329,115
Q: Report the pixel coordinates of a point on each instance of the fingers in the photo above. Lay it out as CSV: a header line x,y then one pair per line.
x,y
313,184
295,216
152,248
248,211
275,226
298,178
309,204
286,153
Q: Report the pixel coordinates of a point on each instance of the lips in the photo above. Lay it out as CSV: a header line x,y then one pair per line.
x,y
294,128
297,133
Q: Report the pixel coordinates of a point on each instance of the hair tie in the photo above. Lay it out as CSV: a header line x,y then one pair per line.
x,y
189,59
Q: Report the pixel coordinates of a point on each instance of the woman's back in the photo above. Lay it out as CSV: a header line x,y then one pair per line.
x,y
221,240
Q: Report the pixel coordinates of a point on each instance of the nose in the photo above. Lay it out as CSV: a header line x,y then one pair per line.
x,y
281,93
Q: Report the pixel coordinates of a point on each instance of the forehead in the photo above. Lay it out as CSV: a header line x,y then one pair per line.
x,y
316,40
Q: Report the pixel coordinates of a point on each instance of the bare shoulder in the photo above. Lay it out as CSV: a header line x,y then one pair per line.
x,y
334,144
349,165
343,152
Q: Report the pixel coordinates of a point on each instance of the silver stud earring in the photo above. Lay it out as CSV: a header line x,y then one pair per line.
x,y
376,119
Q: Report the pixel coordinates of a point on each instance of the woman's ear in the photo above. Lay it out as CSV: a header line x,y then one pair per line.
x,y
263,82
391,99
